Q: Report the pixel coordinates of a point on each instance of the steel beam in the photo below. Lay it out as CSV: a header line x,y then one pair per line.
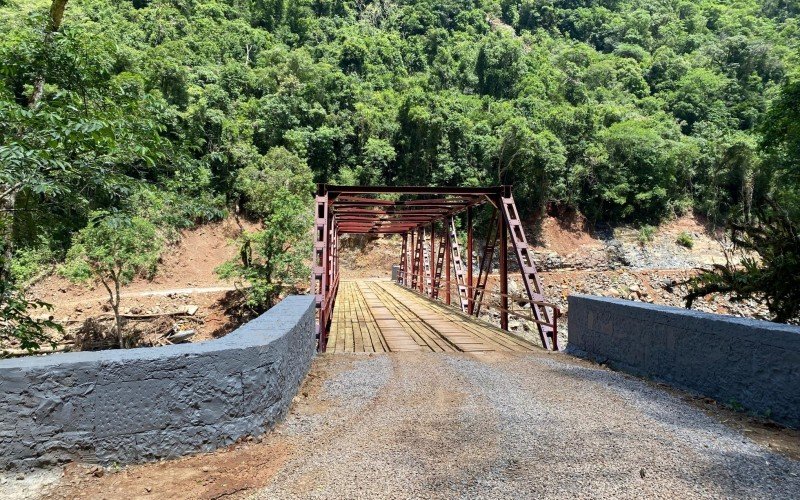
x,y
351,190
503,272
470,282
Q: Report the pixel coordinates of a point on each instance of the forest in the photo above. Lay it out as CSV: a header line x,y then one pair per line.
x,y
148,116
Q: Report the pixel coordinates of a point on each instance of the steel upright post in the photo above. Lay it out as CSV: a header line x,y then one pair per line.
x,y
413,253
470,283
421,268
431,266
321,269
403,259
448,245
503,270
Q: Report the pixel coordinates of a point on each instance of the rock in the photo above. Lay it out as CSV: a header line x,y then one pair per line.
x,y
191,309
634,288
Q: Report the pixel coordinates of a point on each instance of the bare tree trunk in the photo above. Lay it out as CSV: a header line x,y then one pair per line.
x,y
53,25
113,300
117,316
8,199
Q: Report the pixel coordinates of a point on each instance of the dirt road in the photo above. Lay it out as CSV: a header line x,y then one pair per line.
x,y
497,425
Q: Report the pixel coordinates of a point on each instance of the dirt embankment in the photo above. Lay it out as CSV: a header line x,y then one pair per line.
x,y
185,281
574,258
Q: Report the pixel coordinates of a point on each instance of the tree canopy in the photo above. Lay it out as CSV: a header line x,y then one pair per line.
x,y
627,110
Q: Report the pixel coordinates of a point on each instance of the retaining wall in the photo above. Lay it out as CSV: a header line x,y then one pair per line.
x,y
750,362
137,405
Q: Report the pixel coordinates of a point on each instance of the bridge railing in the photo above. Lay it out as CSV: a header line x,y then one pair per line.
x,y
448,287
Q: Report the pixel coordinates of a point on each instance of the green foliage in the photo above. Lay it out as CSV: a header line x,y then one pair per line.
x,y
769,252
768,241
19,325
779,180
646,234
685,240
627,110
113,248
273,258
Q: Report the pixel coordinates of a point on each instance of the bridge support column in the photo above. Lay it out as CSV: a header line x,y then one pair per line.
x,y
431,265
503,270
470,282
448,247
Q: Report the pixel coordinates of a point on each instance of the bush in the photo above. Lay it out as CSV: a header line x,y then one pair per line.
x,y
278,191
646,234
18,325
685,240
31,263
768,269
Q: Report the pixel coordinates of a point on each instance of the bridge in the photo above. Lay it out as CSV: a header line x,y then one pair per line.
x,y
436,297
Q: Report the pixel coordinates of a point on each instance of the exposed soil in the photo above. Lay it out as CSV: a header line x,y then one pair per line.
x,y
366,257
185,277
564,235
573,258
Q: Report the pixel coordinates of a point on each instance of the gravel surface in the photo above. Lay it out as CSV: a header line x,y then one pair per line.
x,y
506,425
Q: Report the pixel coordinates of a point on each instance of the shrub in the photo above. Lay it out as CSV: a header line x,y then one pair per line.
x,y
114,248
646,234
685,240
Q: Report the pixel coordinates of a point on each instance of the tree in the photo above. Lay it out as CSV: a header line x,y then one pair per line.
x,y
780,177
113,248
500,65
278,191
17,324
769,242
10,189
769,267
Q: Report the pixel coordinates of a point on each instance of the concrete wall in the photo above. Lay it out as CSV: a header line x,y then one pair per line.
x,y
754,363
144,404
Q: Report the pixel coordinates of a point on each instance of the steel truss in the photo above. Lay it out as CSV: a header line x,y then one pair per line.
x,y
354,209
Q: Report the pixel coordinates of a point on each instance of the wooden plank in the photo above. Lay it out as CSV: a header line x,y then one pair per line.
x,y
380,316
411,322
468,334
397,337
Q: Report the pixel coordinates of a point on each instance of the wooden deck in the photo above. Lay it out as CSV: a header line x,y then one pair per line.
x,y
380,316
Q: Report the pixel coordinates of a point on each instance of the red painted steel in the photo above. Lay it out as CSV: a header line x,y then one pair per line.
x,y
437,273
530,278
485,268
458,267
352,209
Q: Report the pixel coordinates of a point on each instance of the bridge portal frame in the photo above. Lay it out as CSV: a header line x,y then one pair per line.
x,y
355,210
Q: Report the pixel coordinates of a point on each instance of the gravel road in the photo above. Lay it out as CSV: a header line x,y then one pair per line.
x,y
506,425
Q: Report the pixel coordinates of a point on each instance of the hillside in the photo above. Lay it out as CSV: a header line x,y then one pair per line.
x,y
125,121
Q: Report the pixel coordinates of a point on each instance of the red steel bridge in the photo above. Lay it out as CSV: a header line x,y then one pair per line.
x,y
431,262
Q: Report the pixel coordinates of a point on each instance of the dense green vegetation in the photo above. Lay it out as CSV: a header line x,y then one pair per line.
x,y
628,110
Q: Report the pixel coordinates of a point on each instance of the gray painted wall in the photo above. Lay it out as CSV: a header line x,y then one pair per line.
x,y
137,405
755,363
